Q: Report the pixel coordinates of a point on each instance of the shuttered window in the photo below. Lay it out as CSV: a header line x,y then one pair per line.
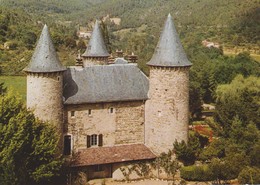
x,y
100,140
94,140
67,145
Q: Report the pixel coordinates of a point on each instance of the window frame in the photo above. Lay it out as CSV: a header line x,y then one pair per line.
x,y
94,140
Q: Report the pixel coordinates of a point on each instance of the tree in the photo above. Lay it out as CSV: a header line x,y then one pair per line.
x,y
81,45
240,98
105,34
29,38
2,89
249,175
195,101
187,152
28,147
254,155
70,42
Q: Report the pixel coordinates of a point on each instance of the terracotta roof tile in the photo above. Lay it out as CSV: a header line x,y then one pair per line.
x,y
115,154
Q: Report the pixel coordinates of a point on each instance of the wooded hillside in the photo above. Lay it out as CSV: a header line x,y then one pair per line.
x,y
232,23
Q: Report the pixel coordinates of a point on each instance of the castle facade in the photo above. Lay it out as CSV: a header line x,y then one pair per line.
x,y
111,114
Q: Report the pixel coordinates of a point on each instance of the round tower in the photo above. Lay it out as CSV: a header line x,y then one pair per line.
x,y
96,52
167,109
45,82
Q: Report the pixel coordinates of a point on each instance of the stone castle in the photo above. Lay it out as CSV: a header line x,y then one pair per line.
x,y
112,114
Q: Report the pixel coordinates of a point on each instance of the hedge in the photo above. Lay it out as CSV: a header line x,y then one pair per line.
x,y
196,173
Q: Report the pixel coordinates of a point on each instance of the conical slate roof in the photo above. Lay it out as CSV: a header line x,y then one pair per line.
x,y
169,51
96,46
45,58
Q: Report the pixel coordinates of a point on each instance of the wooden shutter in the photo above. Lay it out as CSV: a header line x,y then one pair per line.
x,y
88,141
100,140
67,145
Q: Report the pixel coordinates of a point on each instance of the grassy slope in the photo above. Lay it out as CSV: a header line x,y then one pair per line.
x,y
15,83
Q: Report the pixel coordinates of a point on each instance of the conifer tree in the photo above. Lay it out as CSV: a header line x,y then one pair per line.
x,y
28,147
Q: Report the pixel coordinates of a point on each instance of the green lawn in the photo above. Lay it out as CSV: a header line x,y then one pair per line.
x,y
16,83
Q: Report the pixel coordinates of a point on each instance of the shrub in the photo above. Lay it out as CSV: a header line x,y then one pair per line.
x,y
249,175
196,173
187,152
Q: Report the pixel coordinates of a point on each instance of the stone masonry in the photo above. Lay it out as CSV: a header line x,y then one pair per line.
x,y
100,107
167,113
125,125
94,61
44,97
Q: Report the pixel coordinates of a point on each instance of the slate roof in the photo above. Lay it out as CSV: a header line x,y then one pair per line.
x,y
115,154
45,58
96,46
105,83
120,61
169,51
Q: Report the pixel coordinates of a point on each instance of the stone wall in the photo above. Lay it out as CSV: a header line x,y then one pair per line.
x,y
44,97
167,110
95,61
124,125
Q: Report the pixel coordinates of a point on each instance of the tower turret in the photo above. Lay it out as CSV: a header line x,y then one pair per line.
x,y
167,109
45,82
96,52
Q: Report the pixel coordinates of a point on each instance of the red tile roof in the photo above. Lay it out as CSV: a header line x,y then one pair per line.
x,y
115,154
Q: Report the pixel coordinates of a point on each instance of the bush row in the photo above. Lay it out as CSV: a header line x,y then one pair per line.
x,y
196,173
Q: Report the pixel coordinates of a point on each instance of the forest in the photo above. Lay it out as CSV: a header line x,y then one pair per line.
x,y
226,145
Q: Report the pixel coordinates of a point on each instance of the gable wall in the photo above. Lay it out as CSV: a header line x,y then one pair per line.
x,y
124,126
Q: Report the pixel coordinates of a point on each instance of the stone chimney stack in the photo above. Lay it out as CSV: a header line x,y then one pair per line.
x,y
132,58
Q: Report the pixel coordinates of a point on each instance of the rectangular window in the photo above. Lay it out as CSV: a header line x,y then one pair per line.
x,y
111,110
67,145
72,114
89,112
94,140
